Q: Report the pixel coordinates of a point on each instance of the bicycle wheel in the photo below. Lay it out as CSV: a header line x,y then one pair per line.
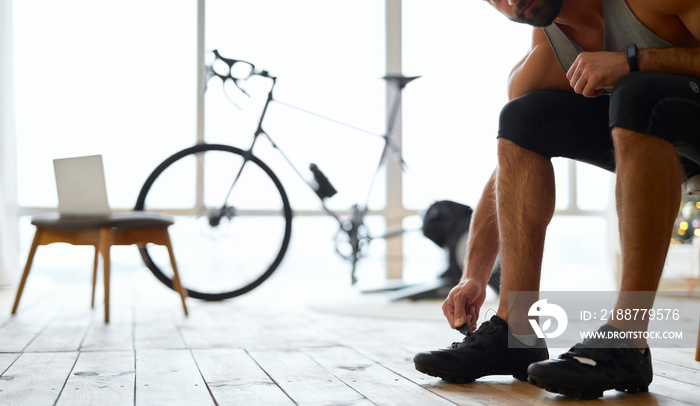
x,y
230,234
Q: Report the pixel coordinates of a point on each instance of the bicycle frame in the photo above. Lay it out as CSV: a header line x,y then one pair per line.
x,y
354,228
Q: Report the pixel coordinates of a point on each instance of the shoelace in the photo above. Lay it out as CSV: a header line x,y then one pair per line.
x,y
487,325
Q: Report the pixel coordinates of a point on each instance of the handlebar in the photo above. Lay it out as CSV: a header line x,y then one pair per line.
x,y
238,69
235,70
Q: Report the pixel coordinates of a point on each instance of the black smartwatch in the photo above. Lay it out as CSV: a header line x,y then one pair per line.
x,y
632,58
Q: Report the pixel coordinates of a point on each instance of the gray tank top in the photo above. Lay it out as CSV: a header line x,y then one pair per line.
x,y
621,28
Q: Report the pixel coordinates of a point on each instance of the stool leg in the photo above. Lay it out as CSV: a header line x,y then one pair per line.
x,y
176,275
27,267
94,276
105,244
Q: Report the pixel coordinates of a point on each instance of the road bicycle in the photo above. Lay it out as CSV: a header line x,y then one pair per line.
x,y
241,225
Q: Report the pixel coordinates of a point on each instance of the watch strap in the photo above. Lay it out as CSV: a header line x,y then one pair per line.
x,y
632,57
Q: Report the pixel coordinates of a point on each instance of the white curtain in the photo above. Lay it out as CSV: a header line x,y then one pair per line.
x,y
8,153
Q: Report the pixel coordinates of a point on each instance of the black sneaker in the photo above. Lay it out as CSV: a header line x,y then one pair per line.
x,y
594,366
483,352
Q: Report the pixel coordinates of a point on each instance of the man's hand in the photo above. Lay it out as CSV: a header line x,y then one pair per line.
x,y
463,303
593,72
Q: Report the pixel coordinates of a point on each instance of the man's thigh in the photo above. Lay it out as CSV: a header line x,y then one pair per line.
x,y
560,124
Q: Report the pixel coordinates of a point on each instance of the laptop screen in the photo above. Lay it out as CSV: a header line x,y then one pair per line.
x,y
80,183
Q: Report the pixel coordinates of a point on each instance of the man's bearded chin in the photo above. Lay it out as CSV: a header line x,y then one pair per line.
x,y
540,16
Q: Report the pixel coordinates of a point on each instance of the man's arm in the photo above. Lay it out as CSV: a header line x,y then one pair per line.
x,y
678,61
464,300
592,72
539,69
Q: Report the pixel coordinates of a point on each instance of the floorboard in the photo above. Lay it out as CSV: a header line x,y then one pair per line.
x,y
306,381
289,342
36,378
100,378
235,378
379,384
169,377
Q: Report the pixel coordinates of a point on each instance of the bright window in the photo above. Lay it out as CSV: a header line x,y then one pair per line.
x,y
115,78
465,51
329,59
118,78
118,82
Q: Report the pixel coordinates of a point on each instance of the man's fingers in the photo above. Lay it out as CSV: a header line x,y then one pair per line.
x,y
570,72
573,73
460,307
593,92
580,85
474,312
470,321
448,309
460,316
575,76
451,320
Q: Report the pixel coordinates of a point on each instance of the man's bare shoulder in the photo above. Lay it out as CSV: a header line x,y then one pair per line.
x,y
677,21
538,70
670,7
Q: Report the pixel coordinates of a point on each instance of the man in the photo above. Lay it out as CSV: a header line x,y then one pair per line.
x,y
646,55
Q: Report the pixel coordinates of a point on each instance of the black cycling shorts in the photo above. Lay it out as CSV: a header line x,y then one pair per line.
x,y
564,124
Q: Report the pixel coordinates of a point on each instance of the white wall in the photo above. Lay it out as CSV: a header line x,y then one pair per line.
x,y
8,171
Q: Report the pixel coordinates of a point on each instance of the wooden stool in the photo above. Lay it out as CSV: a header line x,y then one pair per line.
x,y
102,232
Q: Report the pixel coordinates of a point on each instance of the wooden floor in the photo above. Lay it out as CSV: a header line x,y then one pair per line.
x,y
288,342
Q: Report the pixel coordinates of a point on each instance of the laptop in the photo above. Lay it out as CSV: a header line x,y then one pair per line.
x,y
81,187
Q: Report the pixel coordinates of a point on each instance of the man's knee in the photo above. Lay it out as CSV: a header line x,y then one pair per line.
x,y
620,134
521,122
636,86
527,178
632,101
655,103
623,140
511,154
635,145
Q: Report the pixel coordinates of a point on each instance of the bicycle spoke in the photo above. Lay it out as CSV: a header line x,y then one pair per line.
x,y
233,251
